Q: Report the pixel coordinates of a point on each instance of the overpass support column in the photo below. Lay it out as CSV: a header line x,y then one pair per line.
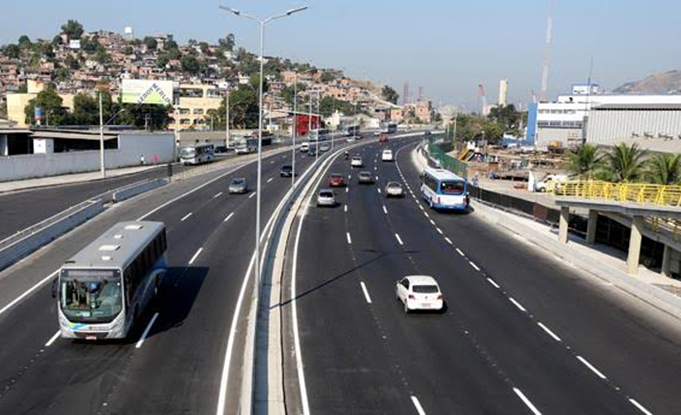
x,y
563,225
667,261
591,227
635,239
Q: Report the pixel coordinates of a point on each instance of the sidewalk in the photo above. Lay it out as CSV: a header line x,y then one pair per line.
x,y
69,178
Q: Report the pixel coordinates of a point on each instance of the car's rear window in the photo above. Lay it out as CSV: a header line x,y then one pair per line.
x,y
394,185
425,289
336,176
326,194
238,181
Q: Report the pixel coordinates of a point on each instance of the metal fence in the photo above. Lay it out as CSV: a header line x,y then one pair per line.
x,y
435,148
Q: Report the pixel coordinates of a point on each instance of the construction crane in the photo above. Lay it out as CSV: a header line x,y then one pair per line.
x,y
547,58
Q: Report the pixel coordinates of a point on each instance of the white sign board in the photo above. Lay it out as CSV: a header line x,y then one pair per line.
x,y
136,91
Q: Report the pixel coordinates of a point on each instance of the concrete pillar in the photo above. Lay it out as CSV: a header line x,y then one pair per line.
x,y
563,225
4,148
667,261
591,227
634,256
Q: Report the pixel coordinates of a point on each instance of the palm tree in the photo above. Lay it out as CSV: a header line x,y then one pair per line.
x,y
585,161
665,169
624,163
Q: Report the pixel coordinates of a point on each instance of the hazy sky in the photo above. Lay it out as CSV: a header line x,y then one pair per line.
x,y
446,46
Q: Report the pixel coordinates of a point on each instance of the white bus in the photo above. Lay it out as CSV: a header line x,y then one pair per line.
x,y
388,128
198,154
444,190
246,146
321,134
352,130
102,291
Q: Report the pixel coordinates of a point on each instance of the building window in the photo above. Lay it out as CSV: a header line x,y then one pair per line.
x,y
198,111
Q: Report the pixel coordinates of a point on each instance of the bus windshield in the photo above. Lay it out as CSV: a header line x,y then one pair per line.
x,y
91,296
188,153
452,187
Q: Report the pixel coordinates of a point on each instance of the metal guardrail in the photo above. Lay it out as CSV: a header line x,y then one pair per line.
x,y
661,195
446,161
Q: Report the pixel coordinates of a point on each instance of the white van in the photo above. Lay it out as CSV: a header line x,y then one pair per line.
x,y
305,147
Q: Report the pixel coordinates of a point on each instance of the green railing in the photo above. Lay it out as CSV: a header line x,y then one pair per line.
x,y
446,161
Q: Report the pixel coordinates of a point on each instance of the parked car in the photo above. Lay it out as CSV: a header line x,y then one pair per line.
x,y
419,292
394,189
286,171
365,177
356,161
326,197
336,180
239,185
387,155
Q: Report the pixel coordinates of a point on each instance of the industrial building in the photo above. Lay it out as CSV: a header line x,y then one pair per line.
x,y
587,115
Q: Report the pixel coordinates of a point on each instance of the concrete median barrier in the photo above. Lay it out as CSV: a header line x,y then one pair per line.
x,y
138,188
29,240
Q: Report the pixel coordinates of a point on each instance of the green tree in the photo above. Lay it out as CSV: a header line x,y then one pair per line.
x,y
61,74
153,117
665,169
12,51
227,43
507,116
52,106
328,77
85,110
624,163
287,93
191,65
102,56
72,63
73,29
162,60
170,44
128,50
25,43
389,94
150,43
328,105
89,46
585,162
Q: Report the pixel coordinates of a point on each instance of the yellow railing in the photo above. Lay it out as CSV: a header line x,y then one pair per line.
x,y
619,192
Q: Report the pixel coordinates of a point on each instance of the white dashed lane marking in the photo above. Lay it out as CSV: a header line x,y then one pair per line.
x,y
517,304
591,367
548,331
187,216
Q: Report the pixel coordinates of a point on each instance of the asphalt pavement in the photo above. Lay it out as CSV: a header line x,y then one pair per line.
x,y
521,334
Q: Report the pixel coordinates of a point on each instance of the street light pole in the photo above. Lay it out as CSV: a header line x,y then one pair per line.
x,y
102,168
262,24
295,127
227,132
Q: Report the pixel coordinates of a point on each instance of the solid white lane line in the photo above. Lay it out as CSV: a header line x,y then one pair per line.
x,y
385,210
549,332
640,407
53,338
252,195
460,252
229,217
517,304
526,401
418,406
217,195
494,283
592,367
440,232
187,216
347,235
28,292
366,292
474,266
399,239
449,241
196,255
271,178
146,331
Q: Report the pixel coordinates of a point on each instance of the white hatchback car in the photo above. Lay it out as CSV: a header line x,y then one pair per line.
x,y
387,155
326,197
419,292
394,189
357,162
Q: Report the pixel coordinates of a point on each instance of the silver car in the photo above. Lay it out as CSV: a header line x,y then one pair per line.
x,y
238,185
394,189
326,197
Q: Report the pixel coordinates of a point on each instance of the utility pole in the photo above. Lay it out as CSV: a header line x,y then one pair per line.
x,y
294,132
102,168
227,131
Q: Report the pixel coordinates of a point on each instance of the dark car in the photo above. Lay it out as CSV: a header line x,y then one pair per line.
x,y
286,171
336,180
238,185
312,151
365,177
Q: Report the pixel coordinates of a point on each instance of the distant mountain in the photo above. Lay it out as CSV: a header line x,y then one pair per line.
x,y
666,83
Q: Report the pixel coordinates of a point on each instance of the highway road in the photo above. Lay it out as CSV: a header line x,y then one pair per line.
x,y
22,209
178,367
522,333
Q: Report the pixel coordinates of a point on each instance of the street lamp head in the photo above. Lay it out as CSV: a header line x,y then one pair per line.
x,y
296,10
231,10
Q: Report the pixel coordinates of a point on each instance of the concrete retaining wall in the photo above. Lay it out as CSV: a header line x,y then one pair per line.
x,y
158,148
21,247
138,188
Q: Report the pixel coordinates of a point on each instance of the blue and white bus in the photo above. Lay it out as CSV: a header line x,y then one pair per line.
x,y
444,190
198,154
103,290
